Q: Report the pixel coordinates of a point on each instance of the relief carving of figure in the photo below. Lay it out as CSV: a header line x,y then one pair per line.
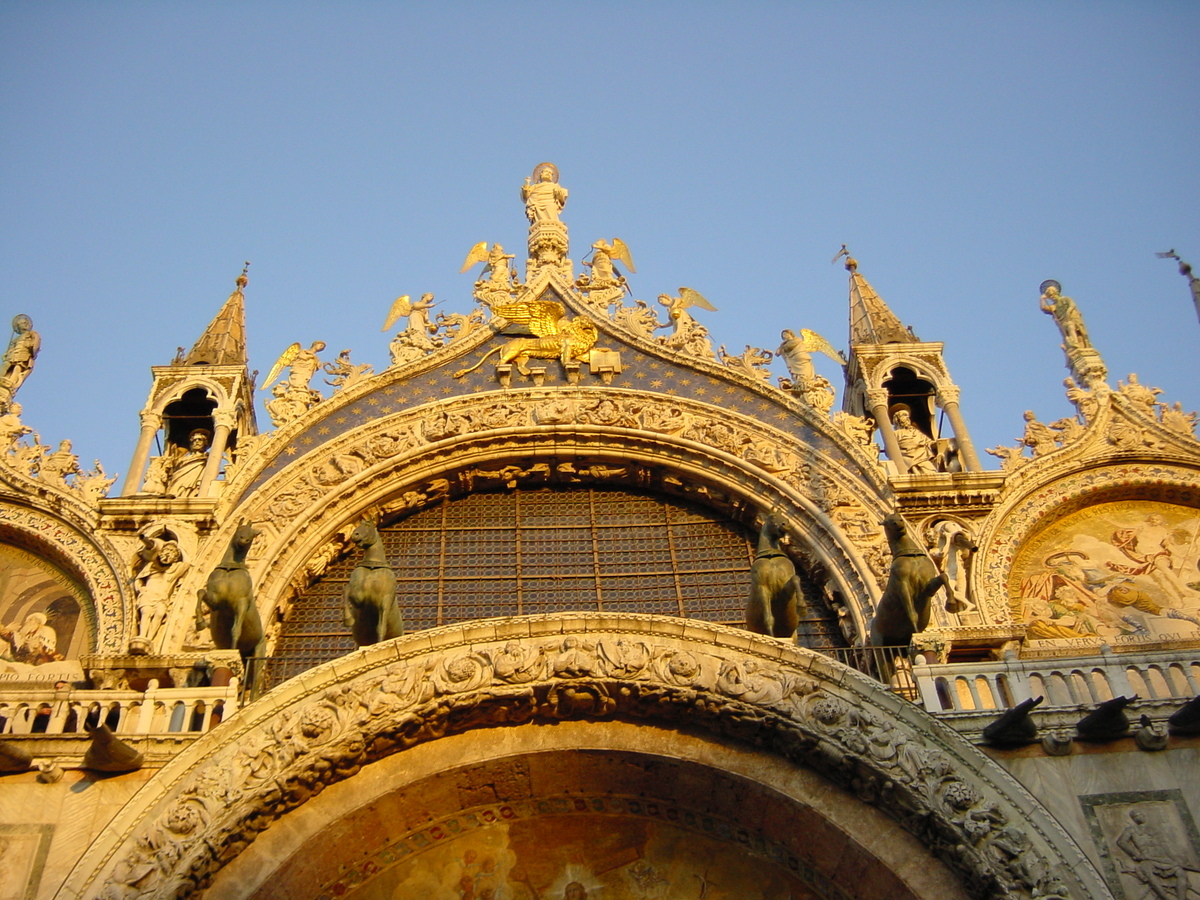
x,y
518,664
18,358
915,446
665,419
1155,864
345,373
1066,315
293,396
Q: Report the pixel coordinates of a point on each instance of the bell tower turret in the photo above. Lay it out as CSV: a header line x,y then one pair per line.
x,y
900,381
201,403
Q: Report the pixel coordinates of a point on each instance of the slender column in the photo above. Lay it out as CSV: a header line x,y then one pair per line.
x,y
947,398
151,422
877,400
208,478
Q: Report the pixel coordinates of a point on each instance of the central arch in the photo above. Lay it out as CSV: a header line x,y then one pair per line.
x,y
671,688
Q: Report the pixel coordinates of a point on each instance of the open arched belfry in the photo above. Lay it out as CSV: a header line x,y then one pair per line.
x,y
473,624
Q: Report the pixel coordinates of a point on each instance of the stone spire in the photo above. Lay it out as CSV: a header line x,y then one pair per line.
x,y
871,322
224,341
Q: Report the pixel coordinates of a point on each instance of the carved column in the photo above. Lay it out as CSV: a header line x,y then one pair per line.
x,y
224,420
947,399
877,401
151,422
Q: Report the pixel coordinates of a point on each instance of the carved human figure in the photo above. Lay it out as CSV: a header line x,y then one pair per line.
x,y
304,366
158,567
1066,315
952,551
59,464
1155,864
915,446
33,642
186,468
1139,393
11,429
1083,400
18,358
544,198
1038,437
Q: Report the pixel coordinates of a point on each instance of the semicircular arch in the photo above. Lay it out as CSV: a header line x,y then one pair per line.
x,y
324,727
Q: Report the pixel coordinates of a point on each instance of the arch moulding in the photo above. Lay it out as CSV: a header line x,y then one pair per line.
x,y
679,678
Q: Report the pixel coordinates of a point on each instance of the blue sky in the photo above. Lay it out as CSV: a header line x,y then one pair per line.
x,y
355,151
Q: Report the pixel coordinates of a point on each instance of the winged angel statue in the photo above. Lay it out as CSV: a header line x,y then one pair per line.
x,y
796,353
555,336
498,280
688,335
293,396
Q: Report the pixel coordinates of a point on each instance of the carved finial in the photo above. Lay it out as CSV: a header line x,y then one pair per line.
x,y
243,279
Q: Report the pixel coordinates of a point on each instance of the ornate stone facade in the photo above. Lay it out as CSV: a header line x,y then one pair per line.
x,y
554,383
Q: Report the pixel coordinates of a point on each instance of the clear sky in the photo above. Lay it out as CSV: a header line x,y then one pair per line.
x,y
355,151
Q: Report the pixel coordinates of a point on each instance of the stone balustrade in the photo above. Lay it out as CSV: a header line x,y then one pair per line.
x,y
155,711
1064,682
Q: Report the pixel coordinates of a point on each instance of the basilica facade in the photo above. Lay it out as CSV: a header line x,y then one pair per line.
x,y
565,602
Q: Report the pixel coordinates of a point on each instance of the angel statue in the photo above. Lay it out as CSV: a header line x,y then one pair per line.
x,y
556,337
499,279
688,335
605,283
293,396
796,353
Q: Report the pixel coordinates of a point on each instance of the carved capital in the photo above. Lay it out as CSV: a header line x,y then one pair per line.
x,y
948,393
877,397
151,420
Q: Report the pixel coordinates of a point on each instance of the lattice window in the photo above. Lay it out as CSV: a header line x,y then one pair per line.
x,y
529,551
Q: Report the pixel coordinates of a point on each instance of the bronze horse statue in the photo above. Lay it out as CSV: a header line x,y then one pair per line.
x,y
912,581
776,596
228,597
369,604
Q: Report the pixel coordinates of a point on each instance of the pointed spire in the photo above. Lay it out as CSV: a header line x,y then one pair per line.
x,y
871,322
224,341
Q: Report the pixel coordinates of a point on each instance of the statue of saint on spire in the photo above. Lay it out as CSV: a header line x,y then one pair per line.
x,y
544,199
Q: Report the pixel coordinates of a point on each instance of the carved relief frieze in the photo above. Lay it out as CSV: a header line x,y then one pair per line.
x,y
985,827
